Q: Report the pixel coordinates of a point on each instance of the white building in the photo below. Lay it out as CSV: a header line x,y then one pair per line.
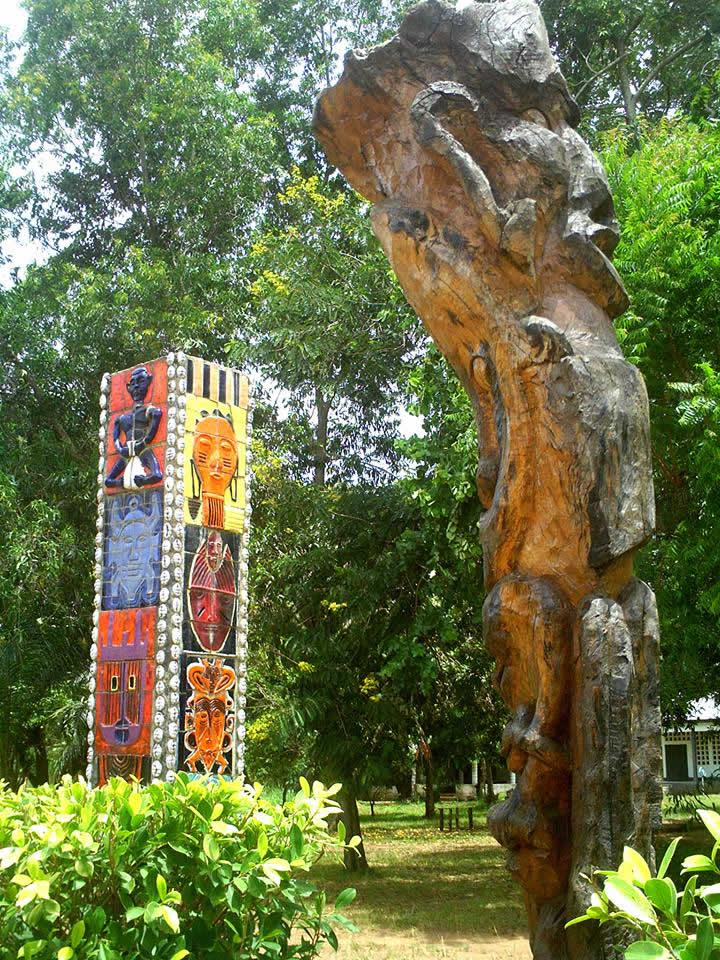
x,y
692,753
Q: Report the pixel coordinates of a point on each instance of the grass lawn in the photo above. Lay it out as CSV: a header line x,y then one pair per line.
x,y
428,895
435,896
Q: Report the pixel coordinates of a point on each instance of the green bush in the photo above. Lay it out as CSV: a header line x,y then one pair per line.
x,y
668,923
196,869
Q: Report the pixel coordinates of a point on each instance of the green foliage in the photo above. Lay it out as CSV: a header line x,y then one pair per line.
x,y
639,57
667,194
328,323
194,868
668,923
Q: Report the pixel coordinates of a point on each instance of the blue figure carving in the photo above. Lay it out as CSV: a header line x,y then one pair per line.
x,y
132,551
137,466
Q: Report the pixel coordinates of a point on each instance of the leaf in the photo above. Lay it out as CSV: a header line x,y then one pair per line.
x,y
667,857
345,897
640,869
84,868
661,895
646,950
698,862
169,915
272,875
711,819
134,802
77,933
226,829
262,844
65,953
180,954
704,939
304,786
341,832
576,920
687,900
133,913
161,884
210,847
629,899
279,864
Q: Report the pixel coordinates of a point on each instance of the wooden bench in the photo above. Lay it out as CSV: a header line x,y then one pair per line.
x,y
446,814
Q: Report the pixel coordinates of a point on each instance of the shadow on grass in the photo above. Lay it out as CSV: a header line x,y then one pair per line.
x,y
445,888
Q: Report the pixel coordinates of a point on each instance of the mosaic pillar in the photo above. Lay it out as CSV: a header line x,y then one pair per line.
x,y
169,652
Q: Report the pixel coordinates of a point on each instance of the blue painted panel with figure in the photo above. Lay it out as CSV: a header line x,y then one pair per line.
x,y
131,573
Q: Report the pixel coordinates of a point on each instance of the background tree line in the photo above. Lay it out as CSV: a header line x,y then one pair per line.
x,y
160,153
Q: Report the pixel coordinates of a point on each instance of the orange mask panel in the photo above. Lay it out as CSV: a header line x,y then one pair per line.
x,y
216,458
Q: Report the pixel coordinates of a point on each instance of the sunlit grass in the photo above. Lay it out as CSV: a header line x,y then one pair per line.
x,y
428,894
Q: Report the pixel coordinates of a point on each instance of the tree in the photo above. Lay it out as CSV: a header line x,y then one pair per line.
x,y
667,193
639,57
328,322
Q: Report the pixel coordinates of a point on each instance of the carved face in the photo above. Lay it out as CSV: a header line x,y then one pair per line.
x,y
133,552
216,458
123,684
211,593
124,679
209,727
139,384
209,713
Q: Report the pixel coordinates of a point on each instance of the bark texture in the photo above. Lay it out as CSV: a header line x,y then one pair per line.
x,y
499,224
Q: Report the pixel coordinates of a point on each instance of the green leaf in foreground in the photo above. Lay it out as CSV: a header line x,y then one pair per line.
x,y
345,897
646,950
630,900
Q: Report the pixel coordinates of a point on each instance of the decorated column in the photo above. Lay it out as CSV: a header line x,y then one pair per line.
x,y
169,651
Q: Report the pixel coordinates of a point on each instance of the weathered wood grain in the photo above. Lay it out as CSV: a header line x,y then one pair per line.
x,y
499,224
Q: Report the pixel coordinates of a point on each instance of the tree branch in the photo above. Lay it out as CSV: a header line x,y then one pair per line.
x,y
669,59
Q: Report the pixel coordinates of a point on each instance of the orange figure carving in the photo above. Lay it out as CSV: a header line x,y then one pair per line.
x,y
215,456
209,718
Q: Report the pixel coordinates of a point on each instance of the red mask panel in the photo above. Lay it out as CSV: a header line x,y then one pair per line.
x,y
211,593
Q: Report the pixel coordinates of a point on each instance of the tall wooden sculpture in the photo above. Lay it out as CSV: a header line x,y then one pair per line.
x,y
168,685
499,224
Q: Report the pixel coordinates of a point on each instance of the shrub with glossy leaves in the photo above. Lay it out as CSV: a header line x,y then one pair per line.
x,y
167,871
668,923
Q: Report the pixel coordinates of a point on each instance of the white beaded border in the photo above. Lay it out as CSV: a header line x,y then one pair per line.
x,y
168,634
241,632
90,775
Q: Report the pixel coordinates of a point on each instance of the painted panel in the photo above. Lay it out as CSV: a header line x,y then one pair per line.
x,y
211,590
137,428
215,464
131,570
208,718
125,675
215,382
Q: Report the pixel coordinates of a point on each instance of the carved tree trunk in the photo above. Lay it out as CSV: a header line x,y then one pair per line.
x,y
499,224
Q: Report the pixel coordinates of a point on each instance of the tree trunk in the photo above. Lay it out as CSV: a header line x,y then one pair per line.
x,y
629,98
354,859
489,785
429,785
321,435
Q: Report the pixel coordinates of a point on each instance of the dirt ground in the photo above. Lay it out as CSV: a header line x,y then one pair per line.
x,y
383,945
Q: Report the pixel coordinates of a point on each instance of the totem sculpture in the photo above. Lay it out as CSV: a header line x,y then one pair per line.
x,y
499,224
168,683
